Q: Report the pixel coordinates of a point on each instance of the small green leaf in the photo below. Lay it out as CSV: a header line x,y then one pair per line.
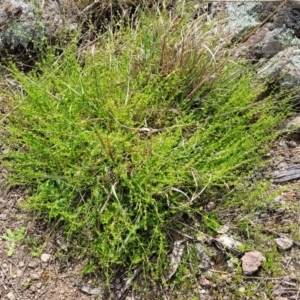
x,y
11,249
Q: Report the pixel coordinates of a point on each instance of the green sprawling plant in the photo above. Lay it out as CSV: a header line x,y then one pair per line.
x,y
153,125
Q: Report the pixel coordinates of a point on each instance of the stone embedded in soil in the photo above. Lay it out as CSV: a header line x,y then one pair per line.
x,y
11,296
33,264
34,276
289,196
251,262
292,144
45,257
39,285
3,217
205,282
21,264
284,243
294,123
19,273
211,205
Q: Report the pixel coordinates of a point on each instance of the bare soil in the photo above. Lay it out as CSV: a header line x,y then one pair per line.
x,y
24,275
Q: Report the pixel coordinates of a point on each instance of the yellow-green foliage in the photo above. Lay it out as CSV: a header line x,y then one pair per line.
x,y
118,150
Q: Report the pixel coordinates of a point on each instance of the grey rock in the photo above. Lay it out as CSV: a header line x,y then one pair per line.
x,y
271,47
241,16
285,67
289,15
284,243
26,25
20,25
251,262
293,124
264,43
271,38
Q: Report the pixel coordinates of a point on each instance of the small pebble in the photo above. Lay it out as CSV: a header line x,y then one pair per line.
x,y
45,257
21,264
11,296
211,205
19,273
205,282
251,262
39,285
293,144
33,264
3,217
34,276
4,266
284,243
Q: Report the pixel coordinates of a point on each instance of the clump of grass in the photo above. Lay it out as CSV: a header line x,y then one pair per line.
x,y
154,125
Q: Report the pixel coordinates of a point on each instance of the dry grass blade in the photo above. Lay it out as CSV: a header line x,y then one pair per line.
x,y
212,55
